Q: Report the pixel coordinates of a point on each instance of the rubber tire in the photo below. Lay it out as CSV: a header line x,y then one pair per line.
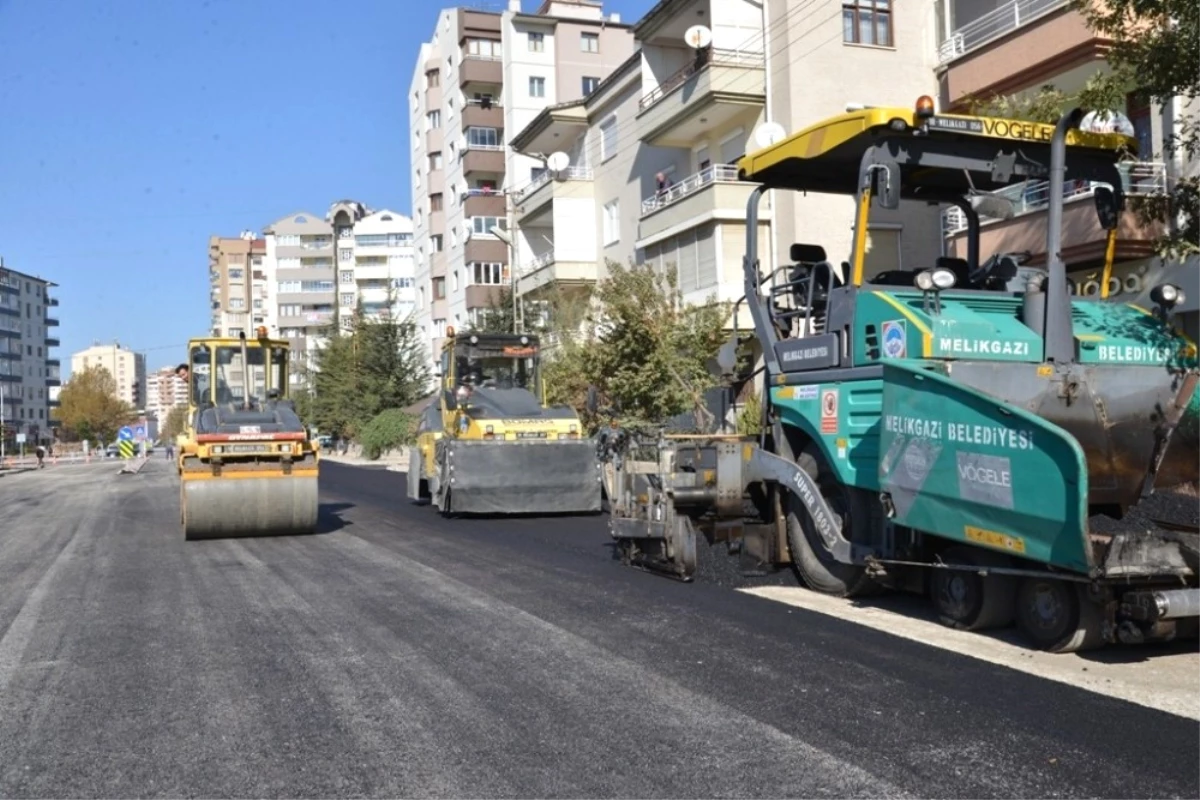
x,y
991,600
1080,624
816,568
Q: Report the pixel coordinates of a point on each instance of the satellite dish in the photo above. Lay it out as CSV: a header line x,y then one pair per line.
x,y
558,161
1107,122
698,37
768,134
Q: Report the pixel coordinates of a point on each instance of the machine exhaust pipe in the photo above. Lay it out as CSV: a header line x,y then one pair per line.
x,y
1060,334
245,372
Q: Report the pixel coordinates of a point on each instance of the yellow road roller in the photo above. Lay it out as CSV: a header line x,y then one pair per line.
x,y
247,465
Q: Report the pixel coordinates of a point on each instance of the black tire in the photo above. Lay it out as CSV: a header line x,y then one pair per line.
x,y
971,602
1056,616
861,517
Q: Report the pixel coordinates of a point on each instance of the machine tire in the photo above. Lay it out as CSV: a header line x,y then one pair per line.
x,y
969,601
1056,616
813,564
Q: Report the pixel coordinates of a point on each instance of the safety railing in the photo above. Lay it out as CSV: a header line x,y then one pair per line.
x,y
993,25
717,173
1140,178
712,55
569,174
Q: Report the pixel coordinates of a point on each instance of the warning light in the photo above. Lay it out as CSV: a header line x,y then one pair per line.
x,y
924,106
262,331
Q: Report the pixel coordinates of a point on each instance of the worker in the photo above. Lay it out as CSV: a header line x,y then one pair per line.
x,y
41,456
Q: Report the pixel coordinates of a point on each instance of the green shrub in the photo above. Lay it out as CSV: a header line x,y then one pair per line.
x,y
388,430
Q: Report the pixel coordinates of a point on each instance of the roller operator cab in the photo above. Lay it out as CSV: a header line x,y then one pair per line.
x,y
490,444
968,427
247,464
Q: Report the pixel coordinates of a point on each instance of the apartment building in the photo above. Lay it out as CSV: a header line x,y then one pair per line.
x,y
317,268
652,151
127,368
480,75
28,371
165,391
1013,48
236,281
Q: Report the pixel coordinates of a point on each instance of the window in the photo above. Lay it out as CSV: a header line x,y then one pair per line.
x,y
436,242
486,274
316,286
482,226
439,288
258,304
537,86
537,42
589,42
589,85
612,222
483,137
288,287
347,298
484,48
435,202
435,161
403,283
346,276
1137,108
433,78
345,254
867,22
237,303
433,120
608,138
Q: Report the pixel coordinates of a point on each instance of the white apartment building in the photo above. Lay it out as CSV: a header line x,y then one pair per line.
x,y
686,114
316,269
28,371
480,75
127,368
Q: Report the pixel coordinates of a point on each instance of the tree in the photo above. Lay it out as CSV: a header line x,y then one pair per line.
x,y
370,366
498,316
646,351
1155,54
174,424
89,407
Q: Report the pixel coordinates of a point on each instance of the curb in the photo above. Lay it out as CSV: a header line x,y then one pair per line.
x,y
134,467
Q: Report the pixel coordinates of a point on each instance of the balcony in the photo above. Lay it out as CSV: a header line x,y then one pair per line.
x,y
1083,238
483,158
480,69
714,193
53,381
1020,44
475,115
484,203
546,270
52,322
307,319
52,301
728,85
52,341
53,362
485,248
532,198
481,296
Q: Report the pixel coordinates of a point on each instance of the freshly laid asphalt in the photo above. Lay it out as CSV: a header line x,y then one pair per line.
x,y
397,653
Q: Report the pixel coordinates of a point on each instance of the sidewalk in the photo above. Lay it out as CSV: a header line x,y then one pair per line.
x,y
394,460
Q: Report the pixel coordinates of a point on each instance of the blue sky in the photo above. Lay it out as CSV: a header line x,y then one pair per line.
x,y
134,129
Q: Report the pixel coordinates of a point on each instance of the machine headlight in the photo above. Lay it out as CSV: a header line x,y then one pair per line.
x,y
285,448
937,278
1167,295
489,429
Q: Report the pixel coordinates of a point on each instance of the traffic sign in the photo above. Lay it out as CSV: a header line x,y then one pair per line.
x,y
139,433
125,434
126,448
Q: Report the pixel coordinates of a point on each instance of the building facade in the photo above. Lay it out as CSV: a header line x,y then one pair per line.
x,y
165,391
28,368
127,368
236,283
481,76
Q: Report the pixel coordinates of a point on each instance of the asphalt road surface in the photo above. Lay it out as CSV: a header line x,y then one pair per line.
x,y
400,654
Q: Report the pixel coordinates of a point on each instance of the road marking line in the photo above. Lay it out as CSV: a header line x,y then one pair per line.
x,y
1148,677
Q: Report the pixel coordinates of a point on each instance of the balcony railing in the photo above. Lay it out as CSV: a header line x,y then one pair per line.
x,y
570,174
728,58
717,173
993,25
481,57
1138,178
487,148
536,263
